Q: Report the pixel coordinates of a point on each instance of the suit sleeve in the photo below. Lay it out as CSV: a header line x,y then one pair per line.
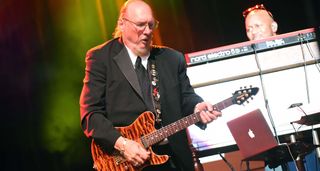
x,y
92,103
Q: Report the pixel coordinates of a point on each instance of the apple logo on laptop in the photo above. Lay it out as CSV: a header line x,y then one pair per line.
x,y
251,134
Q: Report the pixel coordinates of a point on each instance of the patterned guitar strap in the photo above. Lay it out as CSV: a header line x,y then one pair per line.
x,y
156,96
155,90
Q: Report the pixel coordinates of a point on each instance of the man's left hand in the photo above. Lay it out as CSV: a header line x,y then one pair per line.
x,y
207,112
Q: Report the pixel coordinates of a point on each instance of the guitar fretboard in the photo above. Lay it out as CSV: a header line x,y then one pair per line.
x,y
164,132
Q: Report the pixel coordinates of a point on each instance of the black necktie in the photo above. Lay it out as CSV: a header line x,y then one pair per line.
x,y
144,82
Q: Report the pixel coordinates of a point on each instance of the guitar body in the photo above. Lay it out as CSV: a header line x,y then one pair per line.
x,y
143,125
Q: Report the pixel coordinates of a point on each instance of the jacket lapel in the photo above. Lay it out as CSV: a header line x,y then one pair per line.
x,y
123,60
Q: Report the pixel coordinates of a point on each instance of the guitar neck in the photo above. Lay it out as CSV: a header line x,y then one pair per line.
x,y
164,132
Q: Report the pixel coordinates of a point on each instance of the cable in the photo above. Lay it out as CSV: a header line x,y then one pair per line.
x,y
295,131
301,110
264,94
289,150
227,162
304,66
312,55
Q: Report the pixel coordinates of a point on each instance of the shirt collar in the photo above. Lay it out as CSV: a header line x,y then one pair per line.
x,y
133,57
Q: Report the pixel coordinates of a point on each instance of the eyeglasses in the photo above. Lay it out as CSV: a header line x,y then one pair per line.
x,y
142,26
256,7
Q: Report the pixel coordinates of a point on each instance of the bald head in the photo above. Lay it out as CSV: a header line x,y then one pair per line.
x,y
138,10
135,26
259,24
129,8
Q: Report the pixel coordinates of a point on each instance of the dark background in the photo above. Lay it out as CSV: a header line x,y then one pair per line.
x,y
43,45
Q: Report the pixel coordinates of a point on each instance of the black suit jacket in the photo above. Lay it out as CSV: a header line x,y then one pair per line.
x,y
111,95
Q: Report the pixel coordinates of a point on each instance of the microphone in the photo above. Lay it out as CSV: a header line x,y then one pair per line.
x,y
298,105
295,105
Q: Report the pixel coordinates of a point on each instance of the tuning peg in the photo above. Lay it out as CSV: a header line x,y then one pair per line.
x,y
251,98
240,88
245,87
247,101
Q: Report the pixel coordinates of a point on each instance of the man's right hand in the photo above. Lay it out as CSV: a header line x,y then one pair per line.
x,y
133,152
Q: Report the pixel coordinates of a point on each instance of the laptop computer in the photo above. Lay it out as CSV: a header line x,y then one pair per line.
x,y
252,135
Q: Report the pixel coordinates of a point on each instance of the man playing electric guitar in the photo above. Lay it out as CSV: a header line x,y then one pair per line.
x,y
127,76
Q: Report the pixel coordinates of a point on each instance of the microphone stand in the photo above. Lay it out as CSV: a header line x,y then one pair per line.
x,y
315,137
298,161
264,93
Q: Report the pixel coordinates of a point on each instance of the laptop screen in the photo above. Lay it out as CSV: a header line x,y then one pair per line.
x,y
252,133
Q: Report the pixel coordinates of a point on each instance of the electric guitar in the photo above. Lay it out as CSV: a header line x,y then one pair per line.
x,y
142,130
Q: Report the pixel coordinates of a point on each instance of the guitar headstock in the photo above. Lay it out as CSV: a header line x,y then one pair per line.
x,y
242,95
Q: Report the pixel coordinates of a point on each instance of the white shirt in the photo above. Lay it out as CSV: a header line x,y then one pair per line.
x,y
133,57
